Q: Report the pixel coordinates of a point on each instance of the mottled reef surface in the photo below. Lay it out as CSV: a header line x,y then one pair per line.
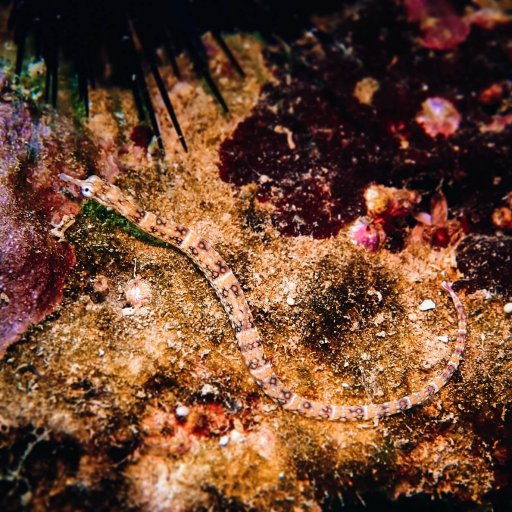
x,y
132,395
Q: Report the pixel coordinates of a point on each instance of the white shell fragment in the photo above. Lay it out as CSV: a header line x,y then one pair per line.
x,y
182,411
137,292
427,305
507,308
290,300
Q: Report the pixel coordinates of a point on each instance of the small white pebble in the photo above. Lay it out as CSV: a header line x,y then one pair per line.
x,y
507,308
208,389
223,441
128,311
290,300
381,334
444,339
345,385
182,411
101,352
237,437
427,305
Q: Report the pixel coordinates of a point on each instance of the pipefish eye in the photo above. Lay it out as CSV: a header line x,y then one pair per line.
x,y
87,191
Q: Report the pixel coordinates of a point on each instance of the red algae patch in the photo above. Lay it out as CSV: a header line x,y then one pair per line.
x,y
442,28
366,105
168,434
435,228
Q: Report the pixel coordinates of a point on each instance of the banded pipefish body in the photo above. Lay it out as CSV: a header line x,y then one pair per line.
x,y
233,300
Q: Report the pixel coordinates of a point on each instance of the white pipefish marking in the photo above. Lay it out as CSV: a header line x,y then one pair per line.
x,y
232,298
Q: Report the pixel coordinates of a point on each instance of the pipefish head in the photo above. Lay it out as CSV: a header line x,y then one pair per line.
x,y
90,187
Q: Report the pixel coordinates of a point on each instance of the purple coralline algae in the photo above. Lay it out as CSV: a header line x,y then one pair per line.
x,y
367,233
33,267
438,117
34,261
